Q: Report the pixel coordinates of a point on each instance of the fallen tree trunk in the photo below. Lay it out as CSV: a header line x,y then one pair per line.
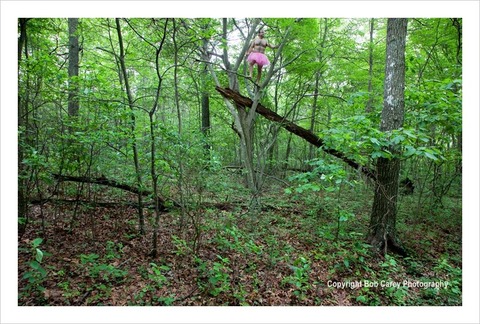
x,y
110,183
108,204
228,206
307,135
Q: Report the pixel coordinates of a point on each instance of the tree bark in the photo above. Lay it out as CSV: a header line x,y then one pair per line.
x,y
205,128
22,199
73,61
382,233
311,153
244,123
181,187
205,96
206,116
369,106
128,91
159,204
318,75
307,135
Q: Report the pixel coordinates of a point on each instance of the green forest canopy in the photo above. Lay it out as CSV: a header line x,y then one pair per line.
x,y
331,89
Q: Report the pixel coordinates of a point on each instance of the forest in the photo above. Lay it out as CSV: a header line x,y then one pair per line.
x,y
154,171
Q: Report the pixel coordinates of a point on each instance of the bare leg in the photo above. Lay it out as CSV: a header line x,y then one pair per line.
x,y
259,74
250,69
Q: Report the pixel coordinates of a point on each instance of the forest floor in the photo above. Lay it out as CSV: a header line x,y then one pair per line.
x,y
296,249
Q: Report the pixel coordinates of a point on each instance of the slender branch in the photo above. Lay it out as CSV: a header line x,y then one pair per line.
x,y
246,44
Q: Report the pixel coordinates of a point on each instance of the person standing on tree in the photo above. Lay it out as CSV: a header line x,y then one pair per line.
x,y
256,54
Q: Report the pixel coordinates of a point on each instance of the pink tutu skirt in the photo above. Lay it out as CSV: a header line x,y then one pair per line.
x,y
258,58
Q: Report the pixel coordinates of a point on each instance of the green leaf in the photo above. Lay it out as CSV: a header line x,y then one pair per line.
x,y
375,141
398,139
432,154
410,150
410,133
36,266
343,218
39,255
361,299
36,242
381,154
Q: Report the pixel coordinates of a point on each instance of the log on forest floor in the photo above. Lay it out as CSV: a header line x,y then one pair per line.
x,y
227,206
104,204
114,184
307,135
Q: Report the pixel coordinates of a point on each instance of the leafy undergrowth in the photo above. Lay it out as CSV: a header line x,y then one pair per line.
x,y
297,252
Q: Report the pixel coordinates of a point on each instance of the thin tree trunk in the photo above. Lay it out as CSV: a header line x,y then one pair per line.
x,y
159,205
369,106
289,147
206,119
318,75
180,130
132,126
73,61
205,128
73,103
458,25
314,112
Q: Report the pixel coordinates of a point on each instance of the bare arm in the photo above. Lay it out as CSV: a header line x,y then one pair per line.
x,y
250,49
271,46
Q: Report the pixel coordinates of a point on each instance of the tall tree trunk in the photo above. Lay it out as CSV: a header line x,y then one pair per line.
x,y
73,59
205,127
382,233
272,152
318,75
22,199
206,117
314,113
73,103
369,106
244,124
181,187
458,25
153,141
132,126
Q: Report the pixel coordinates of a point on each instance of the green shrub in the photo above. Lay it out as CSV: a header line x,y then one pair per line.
x,y
36,275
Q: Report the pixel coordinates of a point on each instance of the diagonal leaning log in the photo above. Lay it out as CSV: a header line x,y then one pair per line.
x,y
307,135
